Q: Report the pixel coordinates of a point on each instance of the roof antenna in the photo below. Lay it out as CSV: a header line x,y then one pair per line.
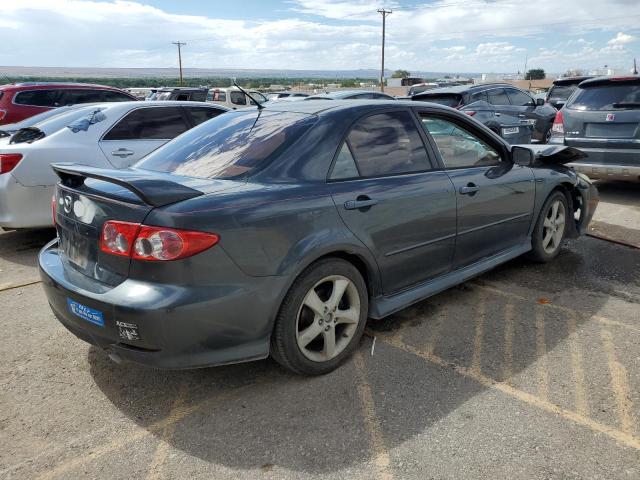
x,y
258,104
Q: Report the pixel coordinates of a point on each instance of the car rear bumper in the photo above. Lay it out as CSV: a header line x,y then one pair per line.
x,y
165,325
590,199
622,164
24,207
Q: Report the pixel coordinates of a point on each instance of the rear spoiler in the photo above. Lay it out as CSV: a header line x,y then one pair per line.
x,y
154,190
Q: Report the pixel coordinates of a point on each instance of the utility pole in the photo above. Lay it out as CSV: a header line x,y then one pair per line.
x,y
179,45
384,14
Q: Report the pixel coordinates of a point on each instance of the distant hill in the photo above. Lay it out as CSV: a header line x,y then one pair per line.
x,y
71,72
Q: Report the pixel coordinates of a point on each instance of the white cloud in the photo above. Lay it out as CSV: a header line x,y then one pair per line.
x,y
445,35
621,39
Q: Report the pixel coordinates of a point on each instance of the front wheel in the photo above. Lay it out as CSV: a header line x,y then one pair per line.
x,y
321,319
550,228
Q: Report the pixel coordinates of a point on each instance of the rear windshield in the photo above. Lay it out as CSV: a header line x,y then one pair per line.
x,y
443,99
607,97
562,92
229,145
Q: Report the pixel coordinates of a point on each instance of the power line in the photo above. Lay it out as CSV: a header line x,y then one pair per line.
x,y
179,45
384,14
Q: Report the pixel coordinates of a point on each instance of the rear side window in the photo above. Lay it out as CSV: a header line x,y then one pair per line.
x,y
477,97
345,166
230,145
387,144
449,100
518,98
159,123
202,114
109,96
183,96
607,97
37,98
497,96
217,96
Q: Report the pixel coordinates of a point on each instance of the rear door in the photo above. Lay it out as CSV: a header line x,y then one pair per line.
x,y
140,132
494,197
389,195
605,116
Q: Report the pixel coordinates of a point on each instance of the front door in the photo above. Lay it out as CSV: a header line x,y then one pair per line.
x,y
495,197
391,198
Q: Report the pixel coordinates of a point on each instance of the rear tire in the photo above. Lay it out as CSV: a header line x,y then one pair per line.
x,y
321,319
550,228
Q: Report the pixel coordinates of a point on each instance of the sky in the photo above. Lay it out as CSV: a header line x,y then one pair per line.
x,y
429,35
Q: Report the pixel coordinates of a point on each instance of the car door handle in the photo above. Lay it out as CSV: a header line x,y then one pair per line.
x,y
122,153
363,202
497,114
521,115
470,189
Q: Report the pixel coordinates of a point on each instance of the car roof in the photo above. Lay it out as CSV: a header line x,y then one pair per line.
x,y
571,80
319,107
55,85
592,82
344,93
458,89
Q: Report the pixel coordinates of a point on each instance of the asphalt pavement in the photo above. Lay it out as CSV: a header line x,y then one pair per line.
x,y
527,372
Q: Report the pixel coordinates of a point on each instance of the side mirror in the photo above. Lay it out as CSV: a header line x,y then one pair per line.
x,y
522,156
539,102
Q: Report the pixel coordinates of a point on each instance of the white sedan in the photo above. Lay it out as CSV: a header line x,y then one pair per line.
x,y
107,135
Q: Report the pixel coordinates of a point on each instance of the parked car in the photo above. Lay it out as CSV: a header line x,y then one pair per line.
x,y
234,98
512,128
421,87
180,94
280,231
351,95
507,100
280,95
110,135
562,89
602,118
9,129
22,100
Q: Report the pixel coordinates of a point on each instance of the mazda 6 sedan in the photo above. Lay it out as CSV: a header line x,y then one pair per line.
x,y
279,231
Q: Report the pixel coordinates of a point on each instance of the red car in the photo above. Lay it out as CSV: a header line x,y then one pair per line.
x,y
23,100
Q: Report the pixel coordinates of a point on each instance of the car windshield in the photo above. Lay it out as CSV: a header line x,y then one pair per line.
x,y
562,92
606,97
229,145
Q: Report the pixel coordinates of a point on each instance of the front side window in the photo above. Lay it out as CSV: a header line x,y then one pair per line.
x,y
230,145
459,148
519,98
74,97
497,96
387,144
159,123
238,98
36,98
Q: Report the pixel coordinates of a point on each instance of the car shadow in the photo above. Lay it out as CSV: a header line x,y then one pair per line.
x,y
254,416
18,246
619,192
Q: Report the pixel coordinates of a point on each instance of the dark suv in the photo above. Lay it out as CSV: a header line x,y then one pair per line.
x,y
602,119
562,89
23,100
506,100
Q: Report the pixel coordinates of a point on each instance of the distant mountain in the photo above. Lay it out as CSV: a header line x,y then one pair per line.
x,y
67,72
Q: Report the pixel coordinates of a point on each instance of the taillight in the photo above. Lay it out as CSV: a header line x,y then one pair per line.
x,y
53,209
143,242
8,161
471,113
558,123
3,113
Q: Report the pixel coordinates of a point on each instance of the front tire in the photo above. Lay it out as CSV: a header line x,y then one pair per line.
x,y
321,318
550,228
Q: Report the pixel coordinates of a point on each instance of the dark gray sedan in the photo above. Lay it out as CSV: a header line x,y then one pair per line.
x,y
280,231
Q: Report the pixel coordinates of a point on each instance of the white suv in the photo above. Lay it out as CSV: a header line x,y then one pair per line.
x,y
234,98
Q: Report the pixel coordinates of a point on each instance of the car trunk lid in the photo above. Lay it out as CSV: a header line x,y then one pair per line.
x,y
86,198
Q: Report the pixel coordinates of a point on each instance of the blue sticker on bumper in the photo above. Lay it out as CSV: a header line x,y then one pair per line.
x,y
85,313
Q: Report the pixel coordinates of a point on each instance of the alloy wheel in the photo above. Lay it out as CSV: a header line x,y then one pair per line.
x,y
553,227
328,318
